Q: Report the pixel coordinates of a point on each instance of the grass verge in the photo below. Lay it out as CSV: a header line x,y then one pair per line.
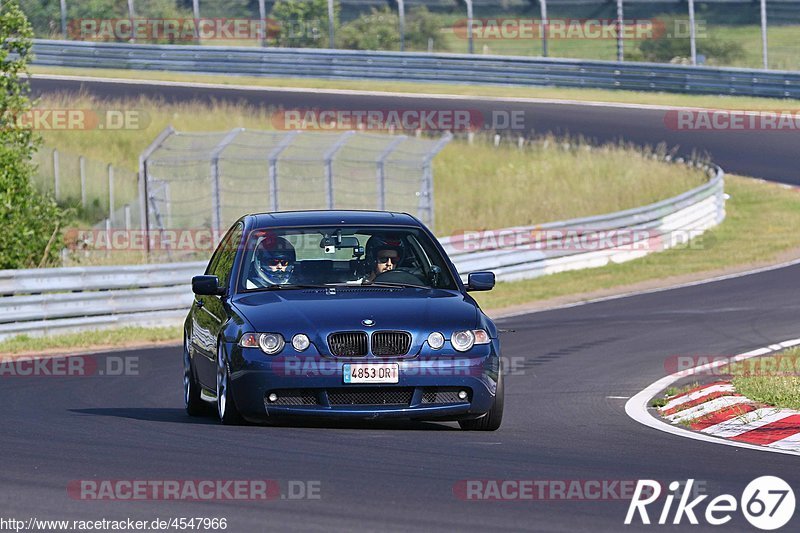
x,y
90,340
768,209
560,93
780,386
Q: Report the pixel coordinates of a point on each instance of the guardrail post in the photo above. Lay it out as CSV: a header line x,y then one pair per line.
x,y
273,167
329,155
620,22
401,12
470,45
82,171
56,175
692,33
543,25
381,174
110,191
64,18
330,25
764,33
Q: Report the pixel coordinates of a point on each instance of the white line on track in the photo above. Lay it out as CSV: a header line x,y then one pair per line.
x,y
636,407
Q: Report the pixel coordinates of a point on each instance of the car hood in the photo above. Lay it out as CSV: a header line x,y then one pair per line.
x,y
319,312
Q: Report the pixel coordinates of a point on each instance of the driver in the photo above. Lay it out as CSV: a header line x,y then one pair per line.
x,y
273,263
382,255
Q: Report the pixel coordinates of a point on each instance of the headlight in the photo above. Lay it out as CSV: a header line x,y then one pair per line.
x,y
435,340
270,343
300,342
464,340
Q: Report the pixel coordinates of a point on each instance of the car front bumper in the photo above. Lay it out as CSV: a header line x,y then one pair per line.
x,y
313,385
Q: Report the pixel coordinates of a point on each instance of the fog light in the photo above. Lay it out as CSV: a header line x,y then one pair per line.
x,y
273,397
436,340
462,395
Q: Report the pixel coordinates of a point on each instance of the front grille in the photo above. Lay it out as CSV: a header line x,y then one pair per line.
x,y
443,395
374,396
348,344
385,343
293,397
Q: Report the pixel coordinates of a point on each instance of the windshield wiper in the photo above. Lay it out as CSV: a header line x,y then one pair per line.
x,y
390,284
289,286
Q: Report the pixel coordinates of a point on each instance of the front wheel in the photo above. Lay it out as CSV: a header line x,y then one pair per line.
x,y
192,402
492,420
226,408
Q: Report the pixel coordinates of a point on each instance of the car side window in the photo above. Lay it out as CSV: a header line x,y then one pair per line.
x,y
222,262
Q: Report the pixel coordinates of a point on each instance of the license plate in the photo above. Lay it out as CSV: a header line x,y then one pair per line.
x,y
371,373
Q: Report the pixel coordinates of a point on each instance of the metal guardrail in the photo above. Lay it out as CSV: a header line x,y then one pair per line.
x,y
46,301
406,66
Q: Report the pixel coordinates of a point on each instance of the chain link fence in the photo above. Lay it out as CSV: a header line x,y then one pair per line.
x,y
740,33
208,180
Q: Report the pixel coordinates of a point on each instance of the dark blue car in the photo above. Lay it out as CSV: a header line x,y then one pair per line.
x,y
349,314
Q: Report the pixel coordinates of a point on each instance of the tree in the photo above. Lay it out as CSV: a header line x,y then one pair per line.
x,y
30,223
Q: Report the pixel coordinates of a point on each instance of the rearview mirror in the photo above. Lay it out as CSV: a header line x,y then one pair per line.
x,y
480,281
206,286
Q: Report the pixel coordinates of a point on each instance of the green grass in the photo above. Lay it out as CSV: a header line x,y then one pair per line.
x,y
593,95
768,209
780,388
671,392
98,339
575,181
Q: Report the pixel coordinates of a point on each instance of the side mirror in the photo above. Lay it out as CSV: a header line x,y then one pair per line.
x,y
480,281
206,286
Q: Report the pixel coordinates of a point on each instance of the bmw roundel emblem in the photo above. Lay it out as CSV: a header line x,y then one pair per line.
x,y
368,322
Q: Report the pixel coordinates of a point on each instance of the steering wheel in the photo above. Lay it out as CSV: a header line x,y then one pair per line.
x,y
398,276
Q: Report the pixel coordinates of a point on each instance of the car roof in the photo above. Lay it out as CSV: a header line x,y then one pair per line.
x,y
332,218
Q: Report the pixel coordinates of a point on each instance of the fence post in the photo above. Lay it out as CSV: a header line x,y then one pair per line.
x,y
143,177
273,167
620,22
64,18
216,193
470,44
110,191
56,176
764,33
196,15
692,33
381,175
132,16
401,11
262,25
127,216
543,25
330,24
82,171
426,196
329,155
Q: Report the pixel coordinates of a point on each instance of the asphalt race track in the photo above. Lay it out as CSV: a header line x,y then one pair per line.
x,y
571,372
764,154
560,425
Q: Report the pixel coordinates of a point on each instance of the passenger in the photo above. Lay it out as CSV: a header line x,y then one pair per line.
x,y
273,263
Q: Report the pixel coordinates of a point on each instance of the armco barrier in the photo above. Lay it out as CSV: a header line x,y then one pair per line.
x,y
46,301
410,66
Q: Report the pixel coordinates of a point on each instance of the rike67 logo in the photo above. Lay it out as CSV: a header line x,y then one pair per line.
x,y
767,502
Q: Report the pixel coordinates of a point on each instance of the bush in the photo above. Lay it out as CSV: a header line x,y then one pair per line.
x,y
29,222
301,23
422,25
378,30
666,47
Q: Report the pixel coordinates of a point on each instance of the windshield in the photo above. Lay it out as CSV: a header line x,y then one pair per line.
x,y
330,256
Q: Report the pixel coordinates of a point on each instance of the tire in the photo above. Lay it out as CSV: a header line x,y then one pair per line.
x,y
192,402
226,407
490,421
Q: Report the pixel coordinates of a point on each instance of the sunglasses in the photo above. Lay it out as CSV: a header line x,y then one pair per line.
x,y
384,260
278,262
